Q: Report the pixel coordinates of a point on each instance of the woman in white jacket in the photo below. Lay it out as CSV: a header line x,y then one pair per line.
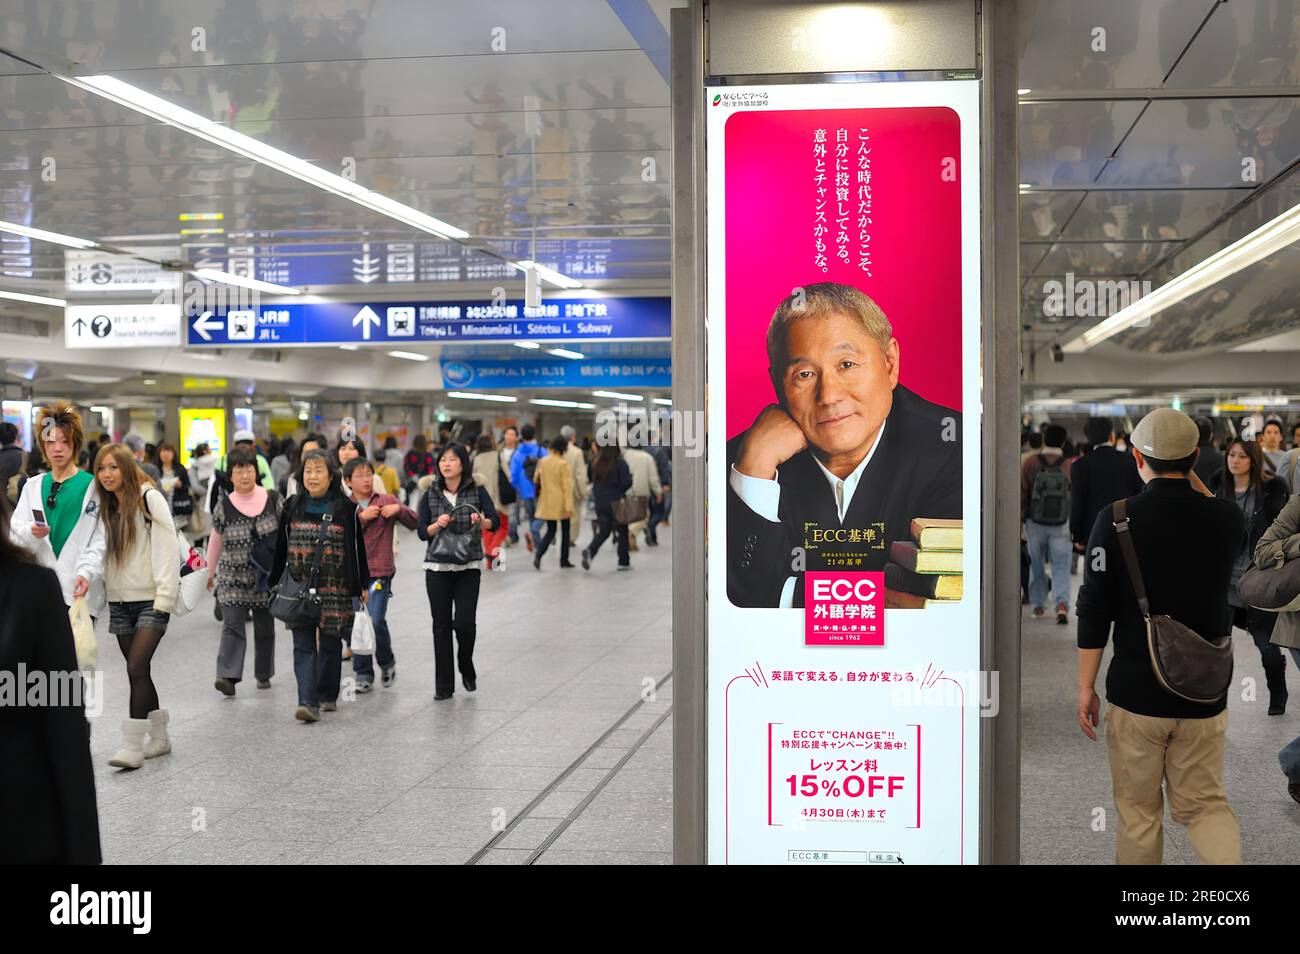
x,y
142,576
57,516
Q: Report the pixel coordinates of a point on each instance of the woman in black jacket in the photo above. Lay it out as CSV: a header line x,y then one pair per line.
x,y
1261,498
47,800
175,485
343,575
454,511
610,480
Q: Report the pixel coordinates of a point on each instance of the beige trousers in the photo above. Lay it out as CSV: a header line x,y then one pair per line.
x,y
1187,756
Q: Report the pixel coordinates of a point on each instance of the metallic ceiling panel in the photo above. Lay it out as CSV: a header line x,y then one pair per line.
x,y
1141,41
1242,45
1067,144
1103,258
1153,214
1208,144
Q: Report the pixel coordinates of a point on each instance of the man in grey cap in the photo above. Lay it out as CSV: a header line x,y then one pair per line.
x,y
135,444
1186,542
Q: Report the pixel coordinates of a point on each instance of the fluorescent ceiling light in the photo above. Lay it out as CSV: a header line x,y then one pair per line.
x,y
530,345
663,401
618,394
564,353
409,355
550,275
226,278
124,94
149,381
59,239
98,409
1023,92
33,299
471,396
1273,235
349,347
553,402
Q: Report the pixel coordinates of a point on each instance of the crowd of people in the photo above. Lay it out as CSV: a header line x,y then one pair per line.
x,y
1198,517
304,532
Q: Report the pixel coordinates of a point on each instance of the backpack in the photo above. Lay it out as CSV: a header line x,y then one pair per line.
x,y
1049,501
530,468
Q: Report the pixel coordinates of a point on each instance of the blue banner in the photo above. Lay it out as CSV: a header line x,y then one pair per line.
x,y
474,374
365,263
406,323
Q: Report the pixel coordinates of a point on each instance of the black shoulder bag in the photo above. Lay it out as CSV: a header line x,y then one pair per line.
x,y
296,602
452,545
1185,663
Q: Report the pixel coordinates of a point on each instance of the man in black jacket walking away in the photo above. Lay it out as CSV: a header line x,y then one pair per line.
x,y
1098,479
1186,542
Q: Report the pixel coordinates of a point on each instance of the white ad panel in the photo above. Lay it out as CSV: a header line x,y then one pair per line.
x,y
843,317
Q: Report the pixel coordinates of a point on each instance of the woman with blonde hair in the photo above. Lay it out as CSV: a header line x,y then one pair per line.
x,y
142,576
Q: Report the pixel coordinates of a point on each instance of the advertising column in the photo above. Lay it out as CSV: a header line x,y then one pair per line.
x,y
843,473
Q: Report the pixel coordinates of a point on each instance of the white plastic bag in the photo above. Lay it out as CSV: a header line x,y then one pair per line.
x,y
363,635
83,634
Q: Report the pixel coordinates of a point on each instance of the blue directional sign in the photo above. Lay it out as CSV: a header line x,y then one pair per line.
x,y
397,323
475,374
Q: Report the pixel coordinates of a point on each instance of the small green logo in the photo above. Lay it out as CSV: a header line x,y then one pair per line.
x,y
717,99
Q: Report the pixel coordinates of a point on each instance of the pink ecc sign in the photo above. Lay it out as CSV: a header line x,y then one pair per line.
x,y
844,609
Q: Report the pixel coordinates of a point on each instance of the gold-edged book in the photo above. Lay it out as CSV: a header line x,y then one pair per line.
x,y
910,557
936,533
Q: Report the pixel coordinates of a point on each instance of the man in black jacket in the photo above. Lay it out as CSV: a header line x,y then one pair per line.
x,y
1209,464
834,472
1098,479
1186,543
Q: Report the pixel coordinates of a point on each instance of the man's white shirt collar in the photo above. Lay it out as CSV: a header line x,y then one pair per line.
x,y
843,490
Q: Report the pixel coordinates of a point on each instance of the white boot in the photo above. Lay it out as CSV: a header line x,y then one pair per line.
x,y
159,743
131,754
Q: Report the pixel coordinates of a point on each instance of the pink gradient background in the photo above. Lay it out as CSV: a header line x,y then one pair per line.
x,y
915,239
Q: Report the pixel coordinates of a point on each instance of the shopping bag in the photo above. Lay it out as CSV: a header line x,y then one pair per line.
x,y
363,635
83,634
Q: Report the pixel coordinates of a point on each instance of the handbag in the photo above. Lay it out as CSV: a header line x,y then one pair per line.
x,y
192,583
449,546
297,602
630,510
1274,588
1185,663
505,490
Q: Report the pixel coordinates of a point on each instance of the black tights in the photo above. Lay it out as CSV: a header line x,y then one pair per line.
x,y
138,650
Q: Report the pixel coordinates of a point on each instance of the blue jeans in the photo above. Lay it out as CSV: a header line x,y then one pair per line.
x,y
317,669
514,521
1049,543
527,509
363,666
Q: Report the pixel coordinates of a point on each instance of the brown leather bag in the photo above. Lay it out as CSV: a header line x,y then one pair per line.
x,y
1185,663
630,510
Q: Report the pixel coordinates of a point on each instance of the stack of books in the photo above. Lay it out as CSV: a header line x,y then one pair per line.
x,y
925,571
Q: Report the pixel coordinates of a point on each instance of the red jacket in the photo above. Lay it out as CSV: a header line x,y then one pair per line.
x,y
378,533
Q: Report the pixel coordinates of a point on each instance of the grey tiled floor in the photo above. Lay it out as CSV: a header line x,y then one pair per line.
x,y
1065,779
392,776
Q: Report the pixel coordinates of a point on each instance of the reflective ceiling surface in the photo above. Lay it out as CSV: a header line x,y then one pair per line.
x,y
1121,186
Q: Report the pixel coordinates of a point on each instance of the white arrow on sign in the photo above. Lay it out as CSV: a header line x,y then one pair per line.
x,y
365,317
204,327
367,269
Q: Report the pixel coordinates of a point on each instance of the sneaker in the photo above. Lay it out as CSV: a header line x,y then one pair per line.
x,y
225,686
388,675
528,540
364,685
329,706
1038,612
624,566
307,714
499,563
264,683
1062,615
586,559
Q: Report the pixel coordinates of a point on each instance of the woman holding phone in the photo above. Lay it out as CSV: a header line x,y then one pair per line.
x,y
57,515
454,506
142,575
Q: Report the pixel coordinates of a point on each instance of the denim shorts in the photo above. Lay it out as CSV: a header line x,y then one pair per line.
x,y
125,618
